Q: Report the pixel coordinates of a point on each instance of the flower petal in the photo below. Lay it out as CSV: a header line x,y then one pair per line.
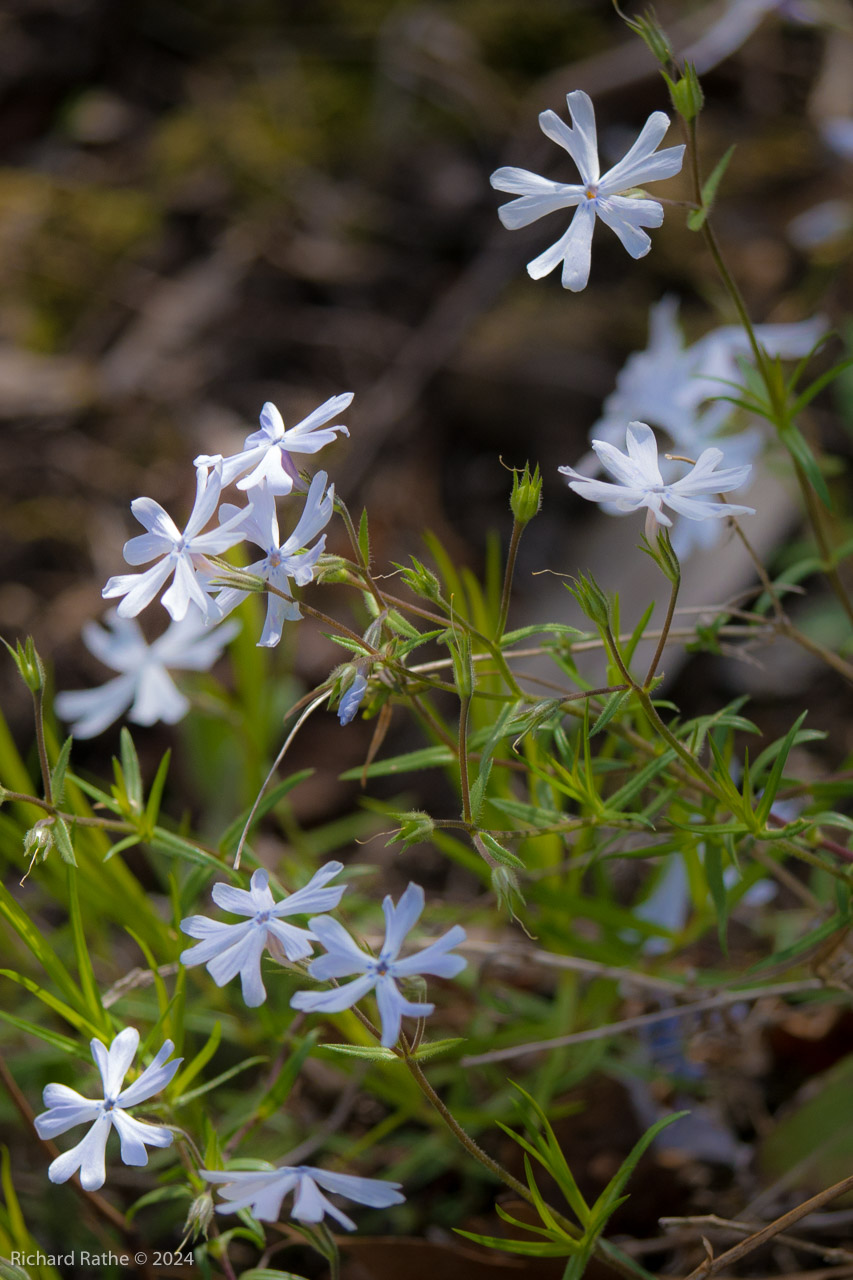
x,y
370,1191
640,165
136,1134
433,959
400,920
313,896
336,1000
580,140
537,196
155,1077
89,1156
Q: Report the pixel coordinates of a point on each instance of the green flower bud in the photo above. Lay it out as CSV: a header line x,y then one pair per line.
x,y
199,1217
415,828
29,664
649,30
686,93
592,600
506,890
420,580
526,494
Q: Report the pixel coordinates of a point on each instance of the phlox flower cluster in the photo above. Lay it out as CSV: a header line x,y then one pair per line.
x,y
195,599
231,949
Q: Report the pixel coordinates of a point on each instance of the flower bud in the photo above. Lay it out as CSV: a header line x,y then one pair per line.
x,y
420,580
649,30
415,828
686,93
506,890
526,496
199,1217
29,664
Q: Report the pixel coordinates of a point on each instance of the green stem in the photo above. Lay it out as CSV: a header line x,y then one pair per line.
x,y
464,708
673,596
511,556
44,764
353,537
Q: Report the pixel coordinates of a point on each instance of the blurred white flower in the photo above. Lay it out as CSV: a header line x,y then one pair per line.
x,y
740,19
144,684
344,958
639,482
262,1191
229,949
595,196
183,555
293,560
673,386
266,453
67,1108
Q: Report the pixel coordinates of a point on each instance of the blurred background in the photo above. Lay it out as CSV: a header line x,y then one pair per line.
x,y
207,205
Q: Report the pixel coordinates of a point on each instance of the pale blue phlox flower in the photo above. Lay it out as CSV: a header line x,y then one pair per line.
x,y
265,455
639,482
229,949
181,556
292,561
597,195
144,684
263,1191
678,388
352,697
67,1108
379,973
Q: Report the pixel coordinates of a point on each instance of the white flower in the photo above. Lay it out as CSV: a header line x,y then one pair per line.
x,y
595,195
266,453
229,949
736,25
183,554
293,560
264,1190
379,973
639,482
66,1108
677,388
145,684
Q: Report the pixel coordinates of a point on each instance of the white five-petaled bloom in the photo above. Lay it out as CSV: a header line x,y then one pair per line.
x,y
183,555
266,453
292,561
639,482
144,684
597,194
262,1191
229,949
379,973
67,1108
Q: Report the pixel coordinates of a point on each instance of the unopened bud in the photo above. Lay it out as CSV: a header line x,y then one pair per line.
x,y
686,93
199,1217
649,30
415,828
419,579
29,664
526,494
